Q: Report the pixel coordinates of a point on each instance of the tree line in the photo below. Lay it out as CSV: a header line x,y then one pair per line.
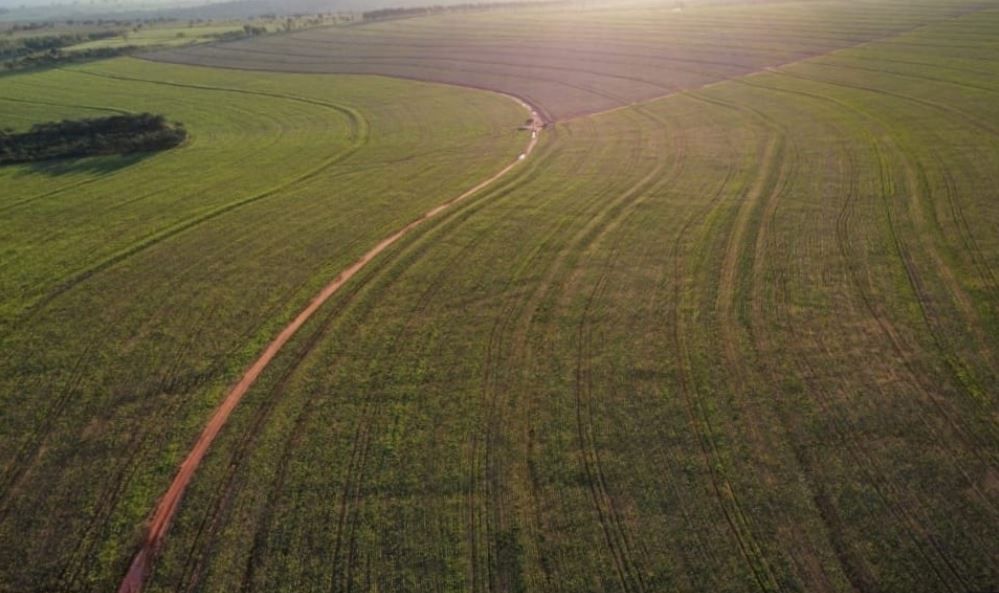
x,y
117,134
23,46
405,12
54,57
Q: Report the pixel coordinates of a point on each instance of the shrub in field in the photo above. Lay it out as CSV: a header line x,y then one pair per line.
x,y
119,134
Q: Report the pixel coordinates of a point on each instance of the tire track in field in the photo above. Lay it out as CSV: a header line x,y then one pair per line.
x,y
350,493
359,131
909,75
665,464
166,508
349,497
472,518
885,489
619,539
583,246
763,349
104,109
73,572
767,182
18,468
512,325
213,520
512,319
49,193
919,193
500,195
853,567
518,319
765,354
888,328
919,185
934,66
918,286
765,188
682,349
890,497
978,123
915,181
617,535
697,417
348,525
515,321
964,230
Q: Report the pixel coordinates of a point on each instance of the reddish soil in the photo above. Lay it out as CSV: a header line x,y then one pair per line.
x,y
167,506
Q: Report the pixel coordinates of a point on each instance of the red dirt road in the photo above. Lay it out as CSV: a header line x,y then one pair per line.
x,y
167,506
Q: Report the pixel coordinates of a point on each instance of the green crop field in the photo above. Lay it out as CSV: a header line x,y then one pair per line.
x,y
574,60
741,334
162,36
135,289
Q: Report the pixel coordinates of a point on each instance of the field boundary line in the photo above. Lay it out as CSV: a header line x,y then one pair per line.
x,y
166,508
540,113
774,67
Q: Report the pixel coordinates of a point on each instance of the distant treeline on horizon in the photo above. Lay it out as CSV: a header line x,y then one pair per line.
x,y
413,11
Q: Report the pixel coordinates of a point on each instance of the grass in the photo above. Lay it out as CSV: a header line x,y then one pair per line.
x,y
724,341
282,183
739,338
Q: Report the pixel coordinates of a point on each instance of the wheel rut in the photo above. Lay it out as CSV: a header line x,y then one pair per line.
x,y
169,503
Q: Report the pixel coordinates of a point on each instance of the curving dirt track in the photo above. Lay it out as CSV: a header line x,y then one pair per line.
x,y
166,508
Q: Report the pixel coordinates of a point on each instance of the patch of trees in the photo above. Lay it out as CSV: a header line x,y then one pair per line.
x,y
11,49
407,12
246,31
30,27
55,57
118,134
251,30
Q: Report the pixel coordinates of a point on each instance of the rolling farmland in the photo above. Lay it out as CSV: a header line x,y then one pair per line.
x,y
570,60
731,325
135,292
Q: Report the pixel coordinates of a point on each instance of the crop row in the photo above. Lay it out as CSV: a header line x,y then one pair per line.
x,y
581,60
135,290
741,338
